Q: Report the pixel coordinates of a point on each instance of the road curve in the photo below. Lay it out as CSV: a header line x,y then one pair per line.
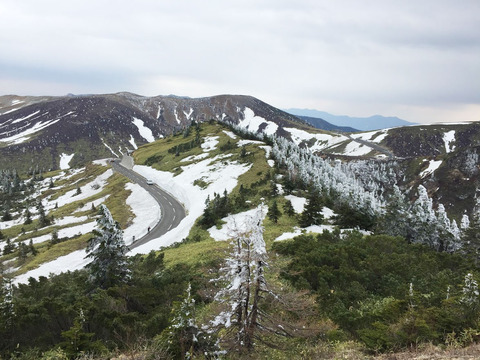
x,y
172,211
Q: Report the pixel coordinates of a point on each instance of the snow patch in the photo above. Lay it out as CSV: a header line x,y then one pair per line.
x,y
144,131
235,223
25,135
132,141
298,203
432,166
25,117
323,141
195,157
252,123
356,149
90,189
230,134
188,114
65,161
448,139
210,143
316,229
109,148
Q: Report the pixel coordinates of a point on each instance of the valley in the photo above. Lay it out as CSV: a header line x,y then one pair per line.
x,y
359,243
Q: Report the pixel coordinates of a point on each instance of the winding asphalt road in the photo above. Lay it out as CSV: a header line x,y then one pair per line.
x,y
172,212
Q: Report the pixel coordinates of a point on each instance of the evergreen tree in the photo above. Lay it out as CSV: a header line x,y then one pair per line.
x,y
77,339
28,217
9,247
51,185
107,250
6,215
22,251
273,212
31,248
273,189
54,239
394,221
183,337
288,209
312,213
43,220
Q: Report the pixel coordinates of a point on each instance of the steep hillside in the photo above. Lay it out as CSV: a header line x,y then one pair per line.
x,y
38,130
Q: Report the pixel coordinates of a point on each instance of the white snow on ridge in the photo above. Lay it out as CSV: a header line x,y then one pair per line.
x,y
354,148
109,148
188,114
432,166
25,117
65,161
146,209
253,123
375,136
25,135
132,141
448,139
144,131
323,140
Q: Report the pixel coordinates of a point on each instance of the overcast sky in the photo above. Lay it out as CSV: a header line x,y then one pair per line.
x,y
416,59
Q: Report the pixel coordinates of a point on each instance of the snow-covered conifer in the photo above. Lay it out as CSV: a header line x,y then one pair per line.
x,y
107,249
245,281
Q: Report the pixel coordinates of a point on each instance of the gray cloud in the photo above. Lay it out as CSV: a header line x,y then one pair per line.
x,y
358,58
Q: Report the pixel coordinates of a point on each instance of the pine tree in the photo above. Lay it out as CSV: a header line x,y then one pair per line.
x,y
183,337
22,251
288,209
43,220
28,217
107,249
31,248
6,215
9,247
312,214
273,212
54,239
394,221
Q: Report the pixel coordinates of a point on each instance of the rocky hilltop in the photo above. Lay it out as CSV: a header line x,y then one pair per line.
x,y
38,130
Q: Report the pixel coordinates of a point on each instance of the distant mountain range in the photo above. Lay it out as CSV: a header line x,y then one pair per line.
x,y
374,122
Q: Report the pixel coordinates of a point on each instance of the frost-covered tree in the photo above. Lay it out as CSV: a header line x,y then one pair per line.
x,y
7,309
107,250
395,220
245,282
470,297
184,339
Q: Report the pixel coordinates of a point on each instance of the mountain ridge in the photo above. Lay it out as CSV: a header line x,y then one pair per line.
x,y
374,122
